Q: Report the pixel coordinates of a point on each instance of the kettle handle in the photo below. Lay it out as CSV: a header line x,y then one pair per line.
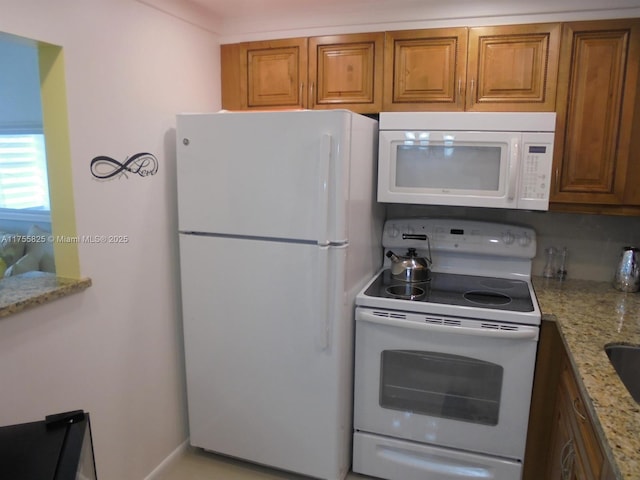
x,y
414,236
418,236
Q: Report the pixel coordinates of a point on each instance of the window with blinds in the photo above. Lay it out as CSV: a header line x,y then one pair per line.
x,y
23,172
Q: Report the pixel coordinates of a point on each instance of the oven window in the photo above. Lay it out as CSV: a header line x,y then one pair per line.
x,y
456,167
441,385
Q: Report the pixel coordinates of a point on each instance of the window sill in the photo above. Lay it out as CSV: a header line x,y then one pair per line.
x,y
35,288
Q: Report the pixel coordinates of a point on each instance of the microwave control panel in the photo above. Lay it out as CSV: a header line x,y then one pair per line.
x,y
535,180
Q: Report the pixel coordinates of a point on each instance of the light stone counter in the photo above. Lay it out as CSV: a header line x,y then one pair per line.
x,y
35,288
591,315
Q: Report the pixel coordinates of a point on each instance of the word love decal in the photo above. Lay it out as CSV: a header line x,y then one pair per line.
x,y
107,168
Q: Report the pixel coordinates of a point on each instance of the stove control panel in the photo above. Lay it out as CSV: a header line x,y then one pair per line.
x,y
465,237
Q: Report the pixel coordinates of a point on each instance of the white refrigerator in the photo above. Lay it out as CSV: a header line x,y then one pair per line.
x,y
278,231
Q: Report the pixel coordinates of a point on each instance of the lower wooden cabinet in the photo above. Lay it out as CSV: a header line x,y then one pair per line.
x,y
562,443
562,458
575,450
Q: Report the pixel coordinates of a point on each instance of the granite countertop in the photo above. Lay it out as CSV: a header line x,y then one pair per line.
x,y
591,315
35,288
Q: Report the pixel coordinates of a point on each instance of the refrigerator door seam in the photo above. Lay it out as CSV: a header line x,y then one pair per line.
x,y
250,237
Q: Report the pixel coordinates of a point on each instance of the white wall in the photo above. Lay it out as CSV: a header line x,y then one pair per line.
x,y
114,350
305,19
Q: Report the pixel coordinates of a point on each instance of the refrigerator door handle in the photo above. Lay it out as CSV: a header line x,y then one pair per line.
x,y
324,167
322,318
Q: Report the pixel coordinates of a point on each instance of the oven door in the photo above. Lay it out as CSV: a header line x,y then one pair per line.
x,y
458,383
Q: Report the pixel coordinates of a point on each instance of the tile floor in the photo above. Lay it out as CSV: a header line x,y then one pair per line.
x,y
196,464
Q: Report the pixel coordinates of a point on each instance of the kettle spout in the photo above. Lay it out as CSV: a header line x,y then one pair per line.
x,y
394,258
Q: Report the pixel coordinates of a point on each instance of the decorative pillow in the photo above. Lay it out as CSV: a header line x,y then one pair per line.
x,y
27,263
12,247
38,256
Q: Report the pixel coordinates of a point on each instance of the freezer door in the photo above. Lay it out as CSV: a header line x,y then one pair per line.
x,y
265,174
268,342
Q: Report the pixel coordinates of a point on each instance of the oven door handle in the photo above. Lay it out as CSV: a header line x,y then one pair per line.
x,y
523,332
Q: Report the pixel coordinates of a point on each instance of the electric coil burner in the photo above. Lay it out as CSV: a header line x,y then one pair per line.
x,y
444,368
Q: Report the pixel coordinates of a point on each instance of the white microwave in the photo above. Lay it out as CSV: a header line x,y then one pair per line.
x,y
473,159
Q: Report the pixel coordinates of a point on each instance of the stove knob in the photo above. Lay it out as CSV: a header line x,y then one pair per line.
x,y
508,238
394,231
524,240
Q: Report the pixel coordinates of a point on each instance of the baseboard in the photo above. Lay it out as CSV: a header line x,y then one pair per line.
x,y
168,461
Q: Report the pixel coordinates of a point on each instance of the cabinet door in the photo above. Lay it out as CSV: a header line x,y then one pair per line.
x,y
561,453
425,69
345,71
513,67
596,98
543,414
589,458
264,75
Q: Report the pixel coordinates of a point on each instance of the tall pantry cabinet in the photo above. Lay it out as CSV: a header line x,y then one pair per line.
x,y
596,167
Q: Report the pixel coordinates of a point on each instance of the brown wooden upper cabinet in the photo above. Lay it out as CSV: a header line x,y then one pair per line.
x,y
264,75
338,71
595,159
502,68
345,71
425,69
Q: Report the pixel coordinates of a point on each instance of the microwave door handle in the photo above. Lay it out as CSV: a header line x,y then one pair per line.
x,y
523,333
514,161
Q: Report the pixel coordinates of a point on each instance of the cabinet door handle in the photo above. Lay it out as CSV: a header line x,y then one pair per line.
x,y
459,91
576,401
302,94
471,99
311,99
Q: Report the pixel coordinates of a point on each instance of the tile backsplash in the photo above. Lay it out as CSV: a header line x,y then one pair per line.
x,y
594,242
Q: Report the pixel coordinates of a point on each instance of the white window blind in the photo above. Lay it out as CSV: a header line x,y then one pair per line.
x,y
23,172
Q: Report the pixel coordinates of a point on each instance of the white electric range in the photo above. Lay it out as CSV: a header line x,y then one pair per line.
x,y
444,368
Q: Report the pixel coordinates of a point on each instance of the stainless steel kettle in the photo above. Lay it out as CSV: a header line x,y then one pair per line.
x,y
409,268
627,275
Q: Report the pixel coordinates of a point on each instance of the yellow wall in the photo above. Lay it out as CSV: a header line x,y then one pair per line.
x,y
56,130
